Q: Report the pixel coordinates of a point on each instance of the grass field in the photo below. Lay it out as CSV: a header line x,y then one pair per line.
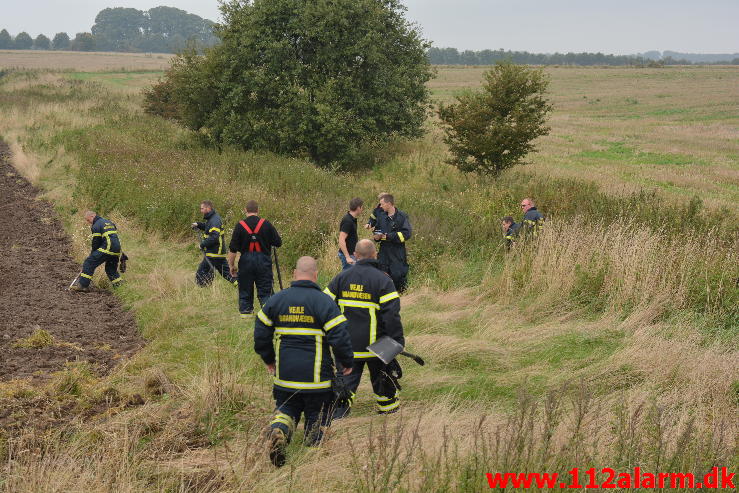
x,y
611,342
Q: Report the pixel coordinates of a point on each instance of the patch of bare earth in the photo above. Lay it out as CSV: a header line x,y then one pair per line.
x,y
35,273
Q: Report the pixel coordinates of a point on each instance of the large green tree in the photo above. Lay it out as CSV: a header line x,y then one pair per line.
x,y
83,42
316,78
6,42
61,41
491,130
41,42
23,41
118,28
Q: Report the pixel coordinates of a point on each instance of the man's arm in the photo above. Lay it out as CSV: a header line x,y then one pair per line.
x,y
233,249
276,240
342,246
404,231
97,236
213,238
338,337
264,331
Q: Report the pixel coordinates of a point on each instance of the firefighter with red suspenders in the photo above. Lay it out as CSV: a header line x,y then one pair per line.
x,y
254,238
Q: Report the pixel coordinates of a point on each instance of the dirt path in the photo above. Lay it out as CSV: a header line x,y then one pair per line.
x,y
35,271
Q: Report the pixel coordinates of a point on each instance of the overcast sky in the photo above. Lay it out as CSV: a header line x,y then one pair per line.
x,y
543,26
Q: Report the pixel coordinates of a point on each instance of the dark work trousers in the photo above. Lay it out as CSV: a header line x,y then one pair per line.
x,y
386,395
204,275
255,269
314,405
398,272
95,260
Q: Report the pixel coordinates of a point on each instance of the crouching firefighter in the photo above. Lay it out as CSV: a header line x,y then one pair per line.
x,y
106,249
294,333
368,299
254,238
212,244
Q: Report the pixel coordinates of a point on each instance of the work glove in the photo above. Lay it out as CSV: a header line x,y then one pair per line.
x,y
342,394
194,226
122,263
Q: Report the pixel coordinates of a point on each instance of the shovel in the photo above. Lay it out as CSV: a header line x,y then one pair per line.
x,y
387,349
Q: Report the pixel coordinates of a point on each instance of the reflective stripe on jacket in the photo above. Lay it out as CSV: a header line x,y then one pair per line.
x,y
213,240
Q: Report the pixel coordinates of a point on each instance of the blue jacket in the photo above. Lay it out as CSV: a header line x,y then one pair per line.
x,y
533,221
105,237
296,330
213,240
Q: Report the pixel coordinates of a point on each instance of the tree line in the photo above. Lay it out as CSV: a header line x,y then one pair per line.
x,y
158,30
452,56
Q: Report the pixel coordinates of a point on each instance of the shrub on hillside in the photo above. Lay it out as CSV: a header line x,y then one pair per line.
x,y
315,79
492,130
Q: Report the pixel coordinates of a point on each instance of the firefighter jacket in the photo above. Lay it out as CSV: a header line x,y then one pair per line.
x,y
213,241
371,304
296,329
377,218
398,231
533,221
105,237
254,234
511,234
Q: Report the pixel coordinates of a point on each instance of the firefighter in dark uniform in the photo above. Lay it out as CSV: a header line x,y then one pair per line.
x,y
371,304
377,216
213,244
106,249
295,333
533,220
392,231
254,238
510,230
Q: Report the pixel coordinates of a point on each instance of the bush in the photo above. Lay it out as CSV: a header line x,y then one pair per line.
x,y
492,130
312,79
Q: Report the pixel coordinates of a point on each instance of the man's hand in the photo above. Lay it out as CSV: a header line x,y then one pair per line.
x,y
350,261
233,270
271,368
368,226
346,371
377,237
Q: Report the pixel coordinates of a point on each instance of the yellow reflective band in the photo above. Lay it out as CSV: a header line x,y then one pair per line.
x,y
389,296
372,216
303,385
115,254
117,280
364,355
108,233
388,407
328,292
318,360
284,419
278,347
401,237
265,320
299,331
96,234
380,398
215,255
334,322
85,276
215,229
358,304
373,326
509,237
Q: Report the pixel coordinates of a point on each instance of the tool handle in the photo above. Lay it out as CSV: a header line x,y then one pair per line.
x,y
277,266
414,357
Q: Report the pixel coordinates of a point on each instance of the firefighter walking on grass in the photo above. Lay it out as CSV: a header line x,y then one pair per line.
x,y
392,230
212,244
254,238
371,304
106,249
295,333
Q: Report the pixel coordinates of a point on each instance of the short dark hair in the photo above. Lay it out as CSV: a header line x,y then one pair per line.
x,y
355,203
508,220
388,198
252,206
207,203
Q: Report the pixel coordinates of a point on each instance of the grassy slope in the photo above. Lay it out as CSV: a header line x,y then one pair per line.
x,y
486,330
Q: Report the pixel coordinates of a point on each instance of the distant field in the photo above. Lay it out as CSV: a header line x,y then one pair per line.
x,y
75,60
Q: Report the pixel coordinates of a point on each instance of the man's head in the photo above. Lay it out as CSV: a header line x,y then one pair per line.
x,y
387,202
527,204
356,205
306,269
252,207
379,195
89,216
365,249
206,206
506,222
